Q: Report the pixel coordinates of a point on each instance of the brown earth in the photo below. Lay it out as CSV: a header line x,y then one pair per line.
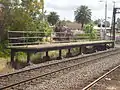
x,y
4,67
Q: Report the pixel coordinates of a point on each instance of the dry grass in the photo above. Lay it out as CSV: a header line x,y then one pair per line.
x,y
4,67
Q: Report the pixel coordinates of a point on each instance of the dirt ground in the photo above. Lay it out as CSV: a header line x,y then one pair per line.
x,y
4,67
110,82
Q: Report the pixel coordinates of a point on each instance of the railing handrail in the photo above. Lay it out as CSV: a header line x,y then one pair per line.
x,y
24,37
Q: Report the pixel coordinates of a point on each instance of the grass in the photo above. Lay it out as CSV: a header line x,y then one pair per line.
x,y
4,67
35,58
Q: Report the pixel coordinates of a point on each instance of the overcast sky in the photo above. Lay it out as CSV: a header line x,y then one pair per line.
x,y
66,8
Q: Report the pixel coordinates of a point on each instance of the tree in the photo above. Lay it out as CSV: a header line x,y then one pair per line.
x,y
53,18
24,15
107,23
90,31
68,21
83,15
63,22
98,21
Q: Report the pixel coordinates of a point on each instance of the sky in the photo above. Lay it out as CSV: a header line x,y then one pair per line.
x,y
66,8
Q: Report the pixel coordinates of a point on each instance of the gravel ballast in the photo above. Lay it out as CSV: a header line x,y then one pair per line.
x,y
76,80
109,82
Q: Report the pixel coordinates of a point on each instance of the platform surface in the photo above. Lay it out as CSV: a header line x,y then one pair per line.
x,y
56,45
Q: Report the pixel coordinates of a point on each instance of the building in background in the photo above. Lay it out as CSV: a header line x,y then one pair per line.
x,y
101,32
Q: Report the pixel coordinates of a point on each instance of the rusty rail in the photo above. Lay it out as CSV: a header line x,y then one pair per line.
x,y
101,77
24,81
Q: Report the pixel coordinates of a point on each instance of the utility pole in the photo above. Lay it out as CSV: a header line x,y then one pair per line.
x,y
114,16
105,18
114,22
104,33
111,36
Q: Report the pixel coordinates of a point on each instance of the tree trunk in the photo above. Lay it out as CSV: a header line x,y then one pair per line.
x,y
82,26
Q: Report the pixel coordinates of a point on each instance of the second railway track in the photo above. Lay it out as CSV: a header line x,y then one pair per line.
x,y
14,80
91,85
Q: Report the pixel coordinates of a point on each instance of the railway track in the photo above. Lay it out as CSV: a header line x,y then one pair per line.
x,y
39,74
89,86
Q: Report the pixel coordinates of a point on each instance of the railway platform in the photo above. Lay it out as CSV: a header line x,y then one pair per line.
x,y
29,49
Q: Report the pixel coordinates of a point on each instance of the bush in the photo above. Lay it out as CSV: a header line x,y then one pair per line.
x,y
4,52
90,31
37,58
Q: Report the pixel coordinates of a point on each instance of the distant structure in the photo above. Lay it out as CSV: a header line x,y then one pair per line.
x,y
101,32
73,26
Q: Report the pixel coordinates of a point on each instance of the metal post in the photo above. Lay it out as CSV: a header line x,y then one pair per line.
x,y
104,33
80,51
12,58
28,57
60,54
112,22
47,53
114,16
101,31
105,19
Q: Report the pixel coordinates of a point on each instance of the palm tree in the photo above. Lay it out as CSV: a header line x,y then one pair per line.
x,y
83,15
53,18
42,5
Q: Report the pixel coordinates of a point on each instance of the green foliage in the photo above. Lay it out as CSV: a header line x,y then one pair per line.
x,y
20,56
4,52
36,58
62,23
92,33
53,18
83,15
83,36
25,15
98,21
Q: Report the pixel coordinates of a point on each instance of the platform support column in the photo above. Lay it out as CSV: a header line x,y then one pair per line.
x,y
28,57
69,54
47,54
60,54
12,57
105,46
113,45
80,51
46,58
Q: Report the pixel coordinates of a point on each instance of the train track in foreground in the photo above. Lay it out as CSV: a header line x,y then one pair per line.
x,y
100,78
13,80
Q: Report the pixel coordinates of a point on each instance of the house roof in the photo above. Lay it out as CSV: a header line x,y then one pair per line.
x,y
73,25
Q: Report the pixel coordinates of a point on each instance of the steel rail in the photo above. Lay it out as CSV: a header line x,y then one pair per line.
x,y
67,60
24,81
72,66
101,77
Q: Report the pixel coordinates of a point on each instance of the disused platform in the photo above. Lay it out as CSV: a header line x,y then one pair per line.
x,y
29,49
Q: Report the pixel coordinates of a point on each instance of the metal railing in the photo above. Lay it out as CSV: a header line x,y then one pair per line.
x,y
35,37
